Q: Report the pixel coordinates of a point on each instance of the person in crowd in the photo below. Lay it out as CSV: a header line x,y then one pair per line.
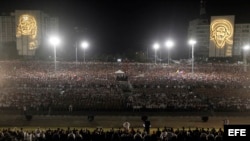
x,y
126,125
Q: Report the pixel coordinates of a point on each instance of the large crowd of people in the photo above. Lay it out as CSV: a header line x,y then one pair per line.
x,y
94,86
38,86
120,134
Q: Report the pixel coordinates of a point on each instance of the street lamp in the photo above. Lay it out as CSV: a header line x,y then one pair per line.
x,y
169,44
245,49
156,46
192,42
76,53
54,40
84,45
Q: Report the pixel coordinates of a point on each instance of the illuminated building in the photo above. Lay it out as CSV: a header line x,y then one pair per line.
x,y
218,36
26,30
199,30
221,36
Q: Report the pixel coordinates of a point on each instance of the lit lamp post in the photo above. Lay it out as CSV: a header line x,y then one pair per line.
x,y
54,41
84,45
192,42
156,46
245,49
169,45
76,53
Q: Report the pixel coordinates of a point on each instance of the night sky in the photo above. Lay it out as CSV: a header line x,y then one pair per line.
x,y
117,26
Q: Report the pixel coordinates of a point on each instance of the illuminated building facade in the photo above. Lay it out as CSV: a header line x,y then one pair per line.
x,y
220,37
199,30
27,29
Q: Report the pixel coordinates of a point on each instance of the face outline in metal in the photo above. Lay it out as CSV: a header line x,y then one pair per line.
x,y
27,26
221,32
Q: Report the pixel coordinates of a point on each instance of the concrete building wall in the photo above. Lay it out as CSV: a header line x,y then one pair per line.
x,y
201,32
28,28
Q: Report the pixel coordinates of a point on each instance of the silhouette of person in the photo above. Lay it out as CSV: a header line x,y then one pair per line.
x,y
147,126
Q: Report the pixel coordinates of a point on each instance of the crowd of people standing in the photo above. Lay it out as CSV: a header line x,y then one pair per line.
x,y
93,86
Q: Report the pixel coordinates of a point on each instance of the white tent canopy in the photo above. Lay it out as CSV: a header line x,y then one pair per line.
x,y
119,72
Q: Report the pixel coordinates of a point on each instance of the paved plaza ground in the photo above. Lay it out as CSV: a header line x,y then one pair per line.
x,y
45,121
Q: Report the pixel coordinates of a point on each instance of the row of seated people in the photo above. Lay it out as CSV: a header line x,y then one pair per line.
x,y
55,99
202,100
120,134
41,99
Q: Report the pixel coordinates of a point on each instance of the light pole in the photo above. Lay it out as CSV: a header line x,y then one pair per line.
x,y
76,54
84,45
169,45
156,46
245,49
192,42
54,41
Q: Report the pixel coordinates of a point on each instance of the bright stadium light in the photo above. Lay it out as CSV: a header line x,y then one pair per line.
x,y
246,47
156,46
84,45
169,44
192,43
54,40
